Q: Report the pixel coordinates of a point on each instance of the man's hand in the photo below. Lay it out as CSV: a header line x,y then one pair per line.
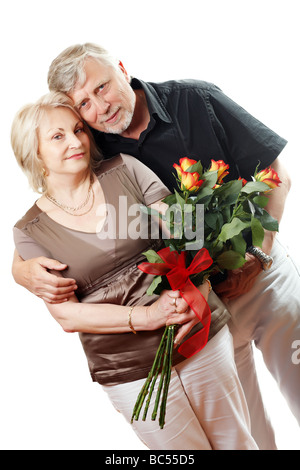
x,y
239,281
34,275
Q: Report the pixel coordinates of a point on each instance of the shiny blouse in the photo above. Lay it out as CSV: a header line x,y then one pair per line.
x,y
105,266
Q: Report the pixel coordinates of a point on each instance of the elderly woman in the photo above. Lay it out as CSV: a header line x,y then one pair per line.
x,y
206,407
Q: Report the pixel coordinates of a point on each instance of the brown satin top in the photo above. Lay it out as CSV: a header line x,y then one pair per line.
x,y
106,269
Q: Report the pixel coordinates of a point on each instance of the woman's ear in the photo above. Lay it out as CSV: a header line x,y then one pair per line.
x,y
44,172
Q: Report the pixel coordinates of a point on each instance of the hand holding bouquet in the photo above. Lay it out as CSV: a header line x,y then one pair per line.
x,y
210,223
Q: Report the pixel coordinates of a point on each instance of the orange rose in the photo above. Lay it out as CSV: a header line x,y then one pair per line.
x,y
269,177
189,181
221,167
185,163
243,181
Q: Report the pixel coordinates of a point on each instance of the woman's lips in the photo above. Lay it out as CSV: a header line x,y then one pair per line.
x,y
76,157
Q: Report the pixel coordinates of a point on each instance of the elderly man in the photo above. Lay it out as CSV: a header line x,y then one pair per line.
x,y
158,124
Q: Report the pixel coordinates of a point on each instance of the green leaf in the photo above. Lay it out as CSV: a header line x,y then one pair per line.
x,y
211,219
257,167
268,222
230,260
197,167
261,201
232,229
189,207
239,244
203,193
210,178
179,199
255,186
214,248
156,281
254,209
170,199
229,191
226,214
251,207
235,189
258,233
153,257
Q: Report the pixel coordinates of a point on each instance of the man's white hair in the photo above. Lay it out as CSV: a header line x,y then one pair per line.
x,y
67,69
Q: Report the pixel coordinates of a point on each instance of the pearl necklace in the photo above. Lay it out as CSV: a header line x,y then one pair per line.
x,y
71,210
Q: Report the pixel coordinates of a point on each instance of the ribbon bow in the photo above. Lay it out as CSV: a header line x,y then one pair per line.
x,y
178,275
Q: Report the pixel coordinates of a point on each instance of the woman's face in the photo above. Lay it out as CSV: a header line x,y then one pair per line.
x,y
64,146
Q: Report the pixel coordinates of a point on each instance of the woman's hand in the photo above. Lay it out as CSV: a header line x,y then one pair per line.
x,y
191,317
172,309
168,309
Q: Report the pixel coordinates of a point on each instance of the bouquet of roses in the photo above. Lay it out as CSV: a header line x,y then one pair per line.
x,y
210,223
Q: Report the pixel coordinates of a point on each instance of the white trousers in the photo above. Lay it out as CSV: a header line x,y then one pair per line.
x,y
269,316
206,408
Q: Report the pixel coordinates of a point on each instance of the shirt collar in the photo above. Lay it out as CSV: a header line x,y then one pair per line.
x,y
155,106
154,102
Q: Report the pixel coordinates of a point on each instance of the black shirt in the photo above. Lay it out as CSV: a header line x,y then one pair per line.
x,y
195,119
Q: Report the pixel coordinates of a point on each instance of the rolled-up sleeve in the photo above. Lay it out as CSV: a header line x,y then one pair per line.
x,y
27,247
151,186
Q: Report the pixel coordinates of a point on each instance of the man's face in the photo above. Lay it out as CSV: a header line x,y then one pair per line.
x,y
106,100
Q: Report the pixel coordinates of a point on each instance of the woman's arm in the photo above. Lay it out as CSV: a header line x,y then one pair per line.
x,y
74,316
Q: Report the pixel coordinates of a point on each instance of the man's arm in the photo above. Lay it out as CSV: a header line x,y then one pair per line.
x,y
277,200
34,275
241,280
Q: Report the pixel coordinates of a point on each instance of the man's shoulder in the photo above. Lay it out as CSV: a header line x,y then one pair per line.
x,y
184,85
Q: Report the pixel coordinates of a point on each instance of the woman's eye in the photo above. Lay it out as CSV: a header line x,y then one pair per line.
x,y
57,137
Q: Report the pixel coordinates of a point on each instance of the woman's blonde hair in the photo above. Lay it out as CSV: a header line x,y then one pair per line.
x,y
24,137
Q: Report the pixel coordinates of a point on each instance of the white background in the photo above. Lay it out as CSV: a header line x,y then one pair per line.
x,y
251,51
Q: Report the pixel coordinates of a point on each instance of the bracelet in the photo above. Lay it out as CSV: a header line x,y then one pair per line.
x,y
129,320
265,260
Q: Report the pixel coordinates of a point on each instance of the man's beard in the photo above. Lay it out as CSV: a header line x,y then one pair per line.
x,y
122,126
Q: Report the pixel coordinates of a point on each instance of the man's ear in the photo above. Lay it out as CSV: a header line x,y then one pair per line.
x,y
122,68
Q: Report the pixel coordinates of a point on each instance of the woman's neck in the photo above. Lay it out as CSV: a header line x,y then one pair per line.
x,y
74,202
70,190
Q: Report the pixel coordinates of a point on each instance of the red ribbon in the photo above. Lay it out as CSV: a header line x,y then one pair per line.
x,y
174,267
